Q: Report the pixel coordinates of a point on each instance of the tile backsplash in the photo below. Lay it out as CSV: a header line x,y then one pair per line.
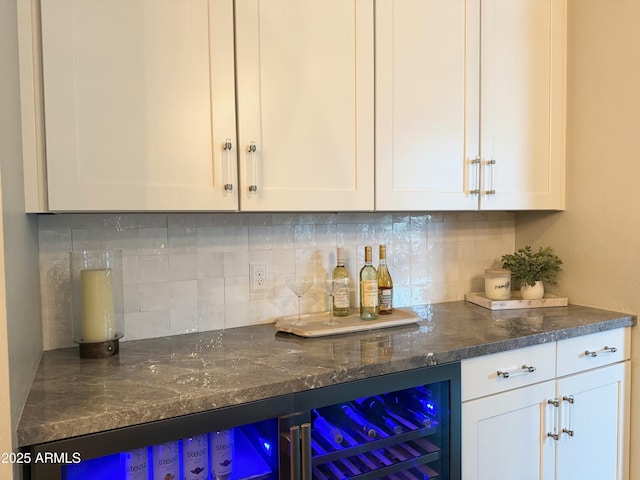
x,y
185,273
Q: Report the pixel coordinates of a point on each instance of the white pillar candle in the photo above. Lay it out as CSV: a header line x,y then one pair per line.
x,y
98,323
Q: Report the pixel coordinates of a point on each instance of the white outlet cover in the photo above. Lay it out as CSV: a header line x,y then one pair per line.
x,y
258,277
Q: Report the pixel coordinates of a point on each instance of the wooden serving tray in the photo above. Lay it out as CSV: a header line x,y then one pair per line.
x,y
314,323
516,302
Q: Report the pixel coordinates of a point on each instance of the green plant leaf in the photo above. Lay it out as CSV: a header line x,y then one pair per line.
x,y
529,266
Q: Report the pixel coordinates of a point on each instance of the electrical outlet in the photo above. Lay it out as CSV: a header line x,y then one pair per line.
x,y
258,277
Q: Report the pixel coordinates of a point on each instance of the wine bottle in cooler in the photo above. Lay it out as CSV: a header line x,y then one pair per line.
x,y
350,417
341,280
326,429
166,461
385,285
221,454
136,464
407,406
195,458
368,288
375,409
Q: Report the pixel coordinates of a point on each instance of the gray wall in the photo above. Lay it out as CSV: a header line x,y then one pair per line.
x,y
23,324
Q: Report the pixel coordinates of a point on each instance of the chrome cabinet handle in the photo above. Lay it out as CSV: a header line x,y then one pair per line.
x,y
605,349
253,187
227,146
555,403
568,429
491,164
524,369
476,170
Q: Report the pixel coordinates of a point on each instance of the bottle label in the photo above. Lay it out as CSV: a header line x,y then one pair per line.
x,y
136,465
222,453
369,293
341,294
386,299
166,465
195,458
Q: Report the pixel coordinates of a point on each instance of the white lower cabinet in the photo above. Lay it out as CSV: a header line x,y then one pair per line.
x,y
518,422
503,438
593,436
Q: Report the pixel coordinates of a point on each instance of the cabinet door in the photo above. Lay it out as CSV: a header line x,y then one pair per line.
x,y
139,102
305,104
505,435
522,104
426,102
595,408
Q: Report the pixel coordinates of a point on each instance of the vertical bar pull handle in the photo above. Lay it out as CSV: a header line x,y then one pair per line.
x,y
475,163
554,433
491,164
294,452
305,445
227,147
568,428
253,185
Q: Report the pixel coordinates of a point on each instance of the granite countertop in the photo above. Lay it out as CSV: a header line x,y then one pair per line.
x,y
166,377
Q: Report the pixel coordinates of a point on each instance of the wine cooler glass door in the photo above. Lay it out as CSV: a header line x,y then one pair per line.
x,y
245,451
403,433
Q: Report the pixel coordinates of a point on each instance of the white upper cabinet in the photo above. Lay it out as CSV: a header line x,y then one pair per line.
x,y
305,79
522,104
139,104
425,92
142,99
470,102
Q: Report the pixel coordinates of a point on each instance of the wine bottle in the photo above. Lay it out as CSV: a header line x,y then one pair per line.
x,y
195,457
385,284
136,464
347,416
222,454
358,421
375,409
341,296
327,430
368,288
424,396
405,404
166,461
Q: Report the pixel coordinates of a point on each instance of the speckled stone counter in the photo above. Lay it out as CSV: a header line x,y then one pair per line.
x,y
171,376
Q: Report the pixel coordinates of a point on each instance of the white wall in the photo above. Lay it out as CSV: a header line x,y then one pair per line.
x,y
598,235
20,322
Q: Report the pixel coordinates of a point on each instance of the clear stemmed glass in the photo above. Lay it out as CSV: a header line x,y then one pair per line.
x,y
329,286
299,286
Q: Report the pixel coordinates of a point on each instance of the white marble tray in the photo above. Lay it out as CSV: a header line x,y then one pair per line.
x,y
314,323
515,302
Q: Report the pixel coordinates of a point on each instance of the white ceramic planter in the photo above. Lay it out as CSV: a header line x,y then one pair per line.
x,y
532,293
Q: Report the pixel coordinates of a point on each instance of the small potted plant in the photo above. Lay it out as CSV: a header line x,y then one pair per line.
x,y
532,269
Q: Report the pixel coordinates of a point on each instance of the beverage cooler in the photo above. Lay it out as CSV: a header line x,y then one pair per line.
x,y
400,426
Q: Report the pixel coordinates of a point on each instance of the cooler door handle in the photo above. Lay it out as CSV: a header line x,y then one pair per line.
x,y
294,452
305,447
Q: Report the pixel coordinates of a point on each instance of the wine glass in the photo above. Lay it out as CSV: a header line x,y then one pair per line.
x,y
330,286
299,286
